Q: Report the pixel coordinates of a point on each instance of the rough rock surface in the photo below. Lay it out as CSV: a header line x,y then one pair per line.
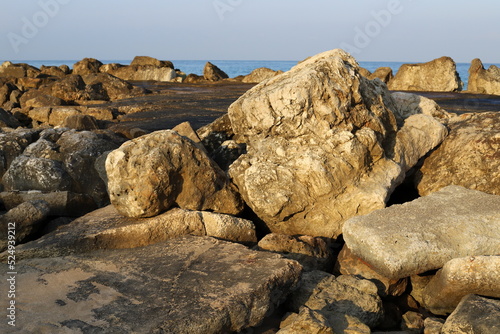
x,y
459,277
8,69
151,173
438,75
190,285
350,264
423,235
24,220
87,66
306,321
145,68
324,144
411,104
106,229
260,74
212,73
312,253
482,80
150,61
382,73
344,301
474,314
469,156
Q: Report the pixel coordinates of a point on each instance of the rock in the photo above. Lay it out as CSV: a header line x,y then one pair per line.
x,y
87,66
423,235
260,74
433,325
57,116
53,71
459,277
80,122
31,173
43,148
150,174
40,115
418,284
307,321
483,81
383,73
413,322
37,99
312,253
114,87
107,68
150,61
474,314
344,301
6,91
12,144
194,78
227,153
411,104
214,134
213,73
10,70
189,285
106,229
469,156
185,129
350,264
364,72
70,88
323,145
438,75
21,222
8,120
61,203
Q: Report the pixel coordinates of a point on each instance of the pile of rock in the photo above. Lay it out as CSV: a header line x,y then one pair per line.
x,y
314,154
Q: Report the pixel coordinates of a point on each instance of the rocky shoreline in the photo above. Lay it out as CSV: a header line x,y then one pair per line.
x,y
266,212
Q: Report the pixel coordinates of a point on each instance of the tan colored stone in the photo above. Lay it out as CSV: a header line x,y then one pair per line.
x,y
482,80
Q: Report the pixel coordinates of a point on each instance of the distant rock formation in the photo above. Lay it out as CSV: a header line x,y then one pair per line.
x,y
438,75
143,69
483,81
260,74
213,73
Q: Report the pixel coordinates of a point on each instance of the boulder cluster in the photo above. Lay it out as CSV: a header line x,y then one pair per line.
x,y
279,210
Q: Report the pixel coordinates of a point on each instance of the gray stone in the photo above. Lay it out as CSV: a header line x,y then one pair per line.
x,y
474,315
22,222
12,144
213,73
107,229
423,235
482,80
438,75
188,285
61,203
150,174
312,253
214,134
459,277
43,149
323,144
10,70
339,299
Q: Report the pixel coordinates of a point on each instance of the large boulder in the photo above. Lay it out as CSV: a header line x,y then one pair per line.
x,y
438,75
150,61
105,228
423,235
212,73
87,66
469,156
114,87
483,81
12,144
260,74
145,68
10,70
190,285
151,173
324,144
382,73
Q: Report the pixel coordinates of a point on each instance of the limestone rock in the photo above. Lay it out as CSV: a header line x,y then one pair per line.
x,y
438,75
80,122
145,68
312,253
213,73
214,134
23,220
87,66
307,321
61,203
423,235
382,73
150,174
459,277
114,87
10,70
474,314
106,229
350,264
189,285
323,144
413,322
185,129
52,71
12,144
260,74
483,81
433,325
69,88
150,61
36,99
227,153
469,156
411,104
340,300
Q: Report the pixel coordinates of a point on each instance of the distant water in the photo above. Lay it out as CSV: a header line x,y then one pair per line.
x,y
234,68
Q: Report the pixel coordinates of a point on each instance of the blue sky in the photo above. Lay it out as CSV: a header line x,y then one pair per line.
x,y
372,30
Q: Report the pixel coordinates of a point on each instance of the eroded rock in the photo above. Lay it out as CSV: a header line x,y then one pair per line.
x,y
474,314
482,80
260,74
212,73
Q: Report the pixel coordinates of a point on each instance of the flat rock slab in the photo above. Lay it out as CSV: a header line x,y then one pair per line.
x,y
423,235
107,229
187,285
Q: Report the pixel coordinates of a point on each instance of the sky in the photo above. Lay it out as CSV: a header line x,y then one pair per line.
x,y
371,30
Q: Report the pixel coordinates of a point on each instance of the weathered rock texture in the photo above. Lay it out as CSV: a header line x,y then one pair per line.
x,y
324,144
422,235
459,277
306,321
411,104
212,73
438,75
469,156
189,285
87,66
260,74
151,173
474,314
482,80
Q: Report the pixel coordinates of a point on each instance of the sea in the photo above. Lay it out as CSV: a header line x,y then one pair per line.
x,y
234,68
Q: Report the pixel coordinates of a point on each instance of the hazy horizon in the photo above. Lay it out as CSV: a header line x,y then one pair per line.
x,y
282,30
